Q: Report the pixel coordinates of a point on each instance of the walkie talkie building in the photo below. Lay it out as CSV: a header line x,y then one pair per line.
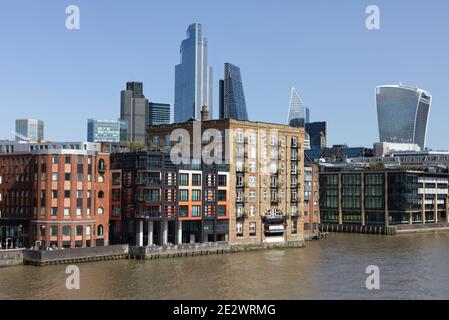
x,y
403,114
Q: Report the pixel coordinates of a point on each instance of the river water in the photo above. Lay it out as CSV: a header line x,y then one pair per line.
x,y
411,267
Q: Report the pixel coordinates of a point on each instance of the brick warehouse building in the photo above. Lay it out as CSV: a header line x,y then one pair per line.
x,y
54,195
155,202
265,205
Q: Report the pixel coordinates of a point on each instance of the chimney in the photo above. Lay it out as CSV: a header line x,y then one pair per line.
x,y
204,113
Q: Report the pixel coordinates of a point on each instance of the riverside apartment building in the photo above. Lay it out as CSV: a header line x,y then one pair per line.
x,y
266,172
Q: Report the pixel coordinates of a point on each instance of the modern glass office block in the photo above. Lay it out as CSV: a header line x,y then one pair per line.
x,y
403,114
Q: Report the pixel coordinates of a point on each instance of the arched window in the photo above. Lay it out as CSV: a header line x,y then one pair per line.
x,y
101,165
100,231
100,194
100,211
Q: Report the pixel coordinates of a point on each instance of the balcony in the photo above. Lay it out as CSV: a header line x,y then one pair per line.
x,y
274,219
241,215
148,199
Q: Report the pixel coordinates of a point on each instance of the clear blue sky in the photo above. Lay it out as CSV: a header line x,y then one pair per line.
x,y
320,47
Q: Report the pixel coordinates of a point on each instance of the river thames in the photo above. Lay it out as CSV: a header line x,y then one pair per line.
x,y
411,267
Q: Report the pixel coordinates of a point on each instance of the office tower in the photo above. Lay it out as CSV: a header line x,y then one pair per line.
x,y
106,130
403,114
317,132
134,110
232,97
193,77
158,113
297,112
29,130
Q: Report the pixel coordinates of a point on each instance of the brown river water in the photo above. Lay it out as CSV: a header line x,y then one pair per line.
x,y
411,267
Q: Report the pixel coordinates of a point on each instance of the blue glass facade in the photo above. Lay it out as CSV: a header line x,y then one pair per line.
x,y
106,130
232,96
193,77
403,114
298,113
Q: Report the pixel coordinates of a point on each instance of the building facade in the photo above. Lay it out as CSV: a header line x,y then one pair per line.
x,y
266,174
158,113
232,96
383,197
311,197
107,130
403,114
317,132
55,198
29,130
298,113
134,111
155,202
193,77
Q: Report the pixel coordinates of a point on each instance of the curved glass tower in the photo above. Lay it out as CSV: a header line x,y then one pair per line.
x,y
403,114
193,77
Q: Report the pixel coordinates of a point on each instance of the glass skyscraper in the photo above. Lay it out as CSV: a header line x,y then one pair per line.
x,y
298,113
403,114
232,97
29,130
158,113
106,130
193,77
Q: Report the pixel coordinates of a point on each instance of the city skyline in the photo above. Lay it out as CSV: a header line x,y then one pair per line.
x,y
361,60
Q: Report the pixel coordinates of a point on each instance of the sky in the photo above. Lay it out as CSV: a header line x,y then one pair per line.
x,y
322,47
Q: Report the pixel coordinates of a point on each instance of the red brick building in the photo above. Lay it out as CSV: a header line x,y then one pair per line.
x,y
55,197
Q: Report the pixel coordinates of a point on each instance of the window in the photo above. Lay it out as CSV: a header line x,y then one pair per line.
x,y
53,231
66,231
79,194
294,227
252,167
252,229
100,194
79,230
80,159
221,211
67,194
240,138
252,181
66,212
196,179
222,180
42,211
55,159
184,179
221,195
252,196
100,211
79,176
54,194
184,195
196,195
252,211
239,229
54,211
88,230
116,178
67,160
101,178
116,211
67,176
54,176
79,212
101,165
196,211
88,211
100,231
252,138
43,177
183,211
239,181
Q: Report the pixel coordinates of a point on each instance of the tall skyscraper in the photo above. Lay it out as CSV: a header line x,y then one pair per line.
x,y
134,110
232,97
29,130
403,114
317,132
298,113
158,113
107,130
193,77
